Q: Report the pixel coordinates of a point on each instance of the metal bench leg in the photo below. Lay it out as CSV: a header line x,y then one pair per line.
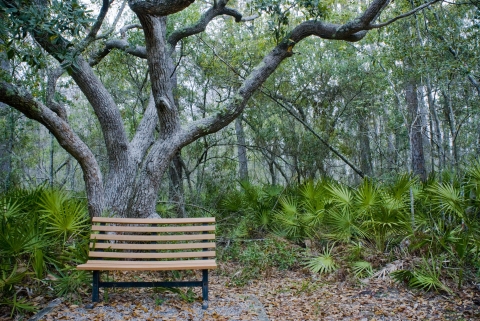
x,y
205,289
96,281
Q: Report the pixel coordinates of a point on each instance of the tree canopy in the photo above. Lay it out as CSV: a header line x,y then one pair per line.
x,y
161,75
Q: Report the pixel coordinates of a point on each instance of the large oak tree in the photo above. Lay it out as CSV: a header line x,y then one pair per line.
x,y
136,167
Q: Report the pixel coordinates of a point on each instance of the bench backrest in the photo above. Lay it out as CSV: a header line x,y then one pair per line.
x,y
152,239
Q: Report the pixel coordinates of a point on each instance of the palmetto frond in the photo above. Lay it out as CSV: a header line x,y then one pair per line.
x,y
9,208
342,225
362,269
446,198
323,263
289,205
340,196
64,217
400,190
367,198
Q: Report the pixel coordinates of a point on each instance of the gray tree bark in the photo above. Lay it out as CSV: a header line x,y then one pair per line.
x,y
176,190
437,134
415,132
364,142
450,116
241,150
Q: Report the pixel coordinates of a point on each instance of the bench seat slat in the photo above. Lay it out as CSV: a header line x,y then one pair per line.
x,y
142,238
152,229
147,265
198,220
123,255
178,246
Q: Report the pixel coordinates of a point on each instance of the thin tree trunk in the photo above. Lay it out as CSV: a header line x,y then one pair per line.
x,y
52,144
6,146
365,151
449,115
415,131
271,169
438,139
241,150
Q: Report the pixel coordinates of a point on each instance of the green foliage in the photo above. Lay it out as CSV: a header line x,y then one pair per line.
x,y
362,269
64,217
323,263
41,231
19,305
426,276
59,21
69,280
9,279
258,257
372,219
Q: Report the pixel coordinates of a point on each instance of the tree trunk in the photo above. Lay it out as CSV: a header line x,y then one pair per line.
x,y
176,190
364,141
241,150
6,145
436,134
450,116
415,132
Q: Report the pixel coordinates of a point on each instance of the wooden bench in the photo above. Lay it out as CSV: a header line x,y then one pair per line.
x,y
127,244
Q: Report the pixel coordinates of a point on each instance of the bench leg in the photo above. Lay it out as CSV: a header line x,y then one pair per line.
x,y
205,289
96,281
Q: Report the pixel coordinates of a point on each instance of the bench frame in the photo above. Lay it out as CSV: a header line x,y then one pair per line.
x,y
97,284
147,265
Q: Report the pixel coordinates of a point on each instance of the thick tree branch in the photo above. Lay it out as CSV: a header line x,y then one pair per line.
x,y
26,104
101,100
105,109
159,8
159,68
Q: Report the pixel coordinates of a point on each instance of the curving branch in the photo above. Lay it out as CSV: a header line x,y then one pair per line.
x,y
114,24
26,104
140,51
219,8
406,14
120,44
124,29
95,28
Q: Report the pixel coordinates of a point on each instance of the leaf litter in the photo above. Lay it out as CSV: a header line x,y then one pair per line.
x,y
280,295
